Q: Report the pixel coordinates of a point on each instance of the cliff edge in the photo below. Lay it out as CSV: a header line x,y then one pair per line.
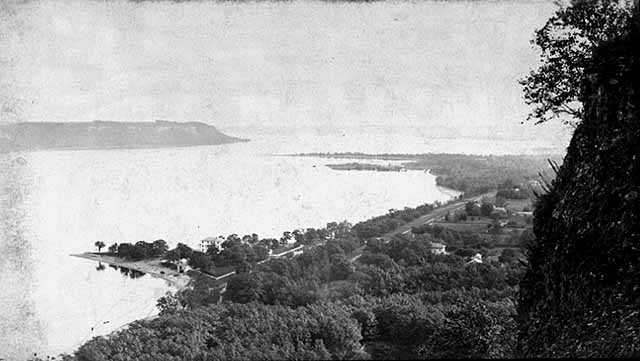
x,y
581,294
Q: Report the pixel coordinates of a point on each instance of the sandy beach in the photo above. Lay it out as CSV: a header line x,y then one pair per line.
x,y
150,266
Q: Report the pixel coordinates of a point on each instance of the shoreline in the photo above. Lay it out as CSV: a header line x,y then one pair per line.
x,y
149,266
449,191
123,147
356,166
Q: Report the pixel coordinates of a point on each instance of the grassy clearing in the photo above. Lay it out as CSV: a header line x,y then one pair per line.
x,y
476,226
517,205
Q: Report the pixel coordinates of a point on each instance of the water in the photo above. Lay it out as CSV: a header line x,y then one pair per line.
x,y
61,202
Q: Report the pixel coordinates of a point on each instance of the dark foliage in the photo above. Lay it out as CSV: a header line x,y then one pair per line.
x,y
567,42
234,332
580,297
140,250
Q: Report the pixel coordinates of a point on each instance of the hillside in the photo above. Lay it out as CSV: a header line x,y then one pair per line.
x,y
108,134
581,296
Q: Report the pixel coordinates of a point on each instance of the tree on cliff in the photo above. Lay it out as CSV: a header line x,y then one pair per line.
x,y
567,41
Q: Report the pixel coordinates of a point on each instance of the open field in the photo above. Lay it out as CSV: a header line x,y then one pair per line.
x,y
479,226
517,205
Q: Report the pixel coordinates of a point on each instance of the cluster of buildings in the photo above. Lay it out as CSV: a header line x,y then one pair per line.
x,y
218,241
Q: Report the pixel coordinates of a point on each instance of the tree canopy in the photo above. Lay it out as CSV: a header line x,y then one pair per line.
x,y
566,42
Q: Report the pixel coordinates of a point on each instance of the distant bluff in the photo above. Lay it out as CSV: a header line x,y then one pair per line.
x,y
581,295
108,134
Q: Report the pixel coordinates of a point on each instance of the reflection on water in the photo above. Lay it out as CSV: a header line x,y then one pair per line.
x,y
127,272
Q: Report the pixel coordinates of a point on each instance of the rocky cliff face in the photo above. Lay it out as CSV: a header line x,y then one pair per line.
x,y
581,295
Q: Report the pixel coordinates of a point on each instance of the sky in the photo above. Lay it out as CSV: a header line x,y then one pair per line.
x,y
451,66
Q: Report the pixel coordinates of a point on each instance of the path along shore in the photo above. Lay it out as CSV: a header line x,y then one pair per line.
x,y
151,266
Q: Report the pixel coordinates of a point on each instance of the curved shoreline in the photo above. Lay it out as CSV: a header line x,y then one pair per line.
x,y
150,266
449,191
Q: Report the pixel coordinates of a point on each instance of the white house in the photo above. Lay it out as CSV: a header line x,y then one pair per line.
x,y
438,248
205,243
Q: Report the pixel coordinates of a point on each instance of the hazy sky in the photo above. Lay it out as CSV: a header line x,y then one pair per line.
x,y
446,65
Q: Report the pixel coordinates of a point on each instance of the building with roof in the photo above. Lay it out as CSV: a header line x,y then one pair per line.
x,y
438,248
211,241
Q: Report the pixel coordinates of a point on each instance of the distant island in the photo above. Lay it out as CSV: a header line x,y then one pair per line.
x,y
108,134
366,166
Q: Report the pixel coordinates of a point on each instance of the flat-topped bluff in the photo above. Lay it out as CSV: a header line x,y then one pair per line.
x,y
108,134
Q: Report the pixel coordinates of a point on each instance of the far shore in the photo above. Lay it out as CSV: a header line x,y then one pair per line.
x,y
122,147
355,166
151,266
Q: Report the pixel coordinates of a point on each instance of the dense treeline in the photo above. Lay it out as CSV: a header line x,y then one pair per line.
x,y
474,175
234,331
139,250
378,226
397,300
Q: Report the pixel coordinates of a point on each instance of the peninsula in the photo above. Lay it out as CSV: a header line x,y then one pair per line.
x,y
467,173
366,166
25,136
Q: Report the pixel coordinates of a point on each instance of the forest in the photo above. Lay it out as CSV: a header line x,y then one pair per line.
x,y
351,296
